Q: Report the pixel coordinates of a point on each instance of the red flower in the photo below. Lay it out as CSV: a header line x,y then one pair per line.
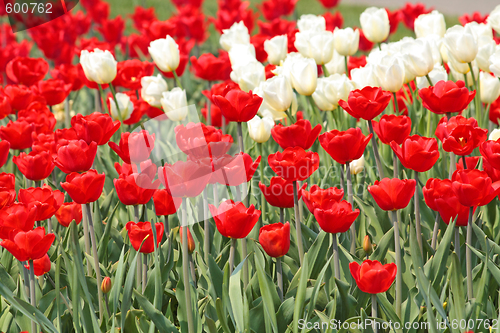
x,y
237,105
141,231
164,203
394,18
336,217
69,74
7,192
446,97
392,128
392,194
4,152
275,8
258,42
475,17
494,114
474,187
76,156
134,147
28,245
142,17
41,265
219,88
471,163
215,115
130,72
491,152
18,134
319,198
356,62
44,199
411,11
276,27
54,91
18,216
184,179
38,114
96,127
372,277
329,4
190,240
493,173
35,165
417,153
294,163
463,139
69,212
299,134
275,239
234,170
366,103
112,30
137,188
19,96
364,44
335,143
84,188
5,108
280,192
211,68
201,141
233,219
27,71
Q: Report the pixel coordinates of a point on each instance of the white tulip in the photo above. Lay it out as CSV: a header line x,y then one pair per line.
x,y
237,34
490,87
286,65
315,44
330,90
124,104
358,165
174,103
152,89
304,75
461,43
259,129
483,56
99,66
494,135
430,24
241,55
391,73
365,77
495,62
249,76
311,22
494,19
276,49
435,42
437,74
418,59
336,65
278,93
482,32
455,65
165,53
346,41
375,24
457,75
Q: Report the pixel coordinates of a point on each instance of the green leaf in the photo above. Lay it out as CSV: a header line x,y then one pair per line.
x,y
127,289
161,322
388,308
236,298
266,290
301,294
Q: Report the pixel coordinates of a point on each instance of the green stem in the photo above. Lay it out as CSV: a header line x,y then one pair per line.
x,y
32,293
325,71
113,92
282,215
350,197
429,79
457,242
477,98
279,277
185,268
209,116
346,64
144,272
101,91
86,237
417,216
374,311
336,259
396,106
67,116
262,179
397,249
232,251
177,79
243,240
138,266
375,151
206,228
289,116
96,260
395,169
435,232
468,255
297,223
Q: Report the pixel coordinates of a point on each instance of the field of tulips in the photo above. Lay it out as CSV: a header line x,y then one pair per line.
x,y
261,170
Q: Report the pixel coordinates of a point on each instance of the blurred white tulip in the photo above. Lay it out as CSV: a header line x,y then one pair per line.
x,y
237,34
152,89
311,22
98,66
277,92
259,129
124,104
391,73
165,53
174,103
490,87
375,24
315,44
430,24
346,41
461,43
330,90
276,49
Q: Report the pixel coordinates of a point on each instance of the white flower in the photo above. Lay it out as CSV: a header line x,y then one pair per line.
x,y
330,90
237,34
346,41
482,32
277,92
165,53
276,49
304,75
336,65
494,19
259,129
375,24
418,60
315,44
461,43
99,66
124,104
483,55
358,165
364,77
249,76
430,24
494,135
460,75
174,104
437,74
490,87
152,89
391,73
241,55
495,62
311,22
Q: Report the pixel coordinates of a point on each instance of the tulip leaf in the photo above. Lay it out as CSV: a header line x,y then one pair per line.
x,y
388,308
221,315
161,322
267,288
127,288
457,290
317,285
383,246
437,264
236,297
301,293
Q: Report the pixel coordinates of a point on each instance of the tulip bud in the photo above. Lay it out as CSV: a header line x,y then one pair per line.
x,y
276,49
490,87
259,129
357,166
311,22
346,41
494,19
430,24
391,73
304,75
330,90
237,34
494,135
367,245
124,104
152,89
495,62
445,305
106,285
249,76
99,66
375,24
174,104
165,53
461,43
191,244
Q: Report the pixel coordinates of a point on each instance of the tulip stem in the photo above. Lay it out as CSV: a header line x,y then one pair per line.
x,y
177,80
279,277
144,271
262,179
297,222
193,273
342,177
101,91
243,240
241,145
346,64
206,228
185,267
351,201
86,237
113,92
395,165
96,260
468,255
429,79
457,242
139,264
418,225
396,106
477,98
209,114
33,293
325,71
282,215
374,311
397,250
435,232
336,259
375,151
232,250
67,116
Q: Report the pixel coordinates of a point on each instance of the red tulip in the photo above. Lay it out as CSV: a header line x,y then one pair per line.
x,y
27,71
137,188
112,29
392,128
54,91
280,192
392,194
219,88
475,17
41,265
164,203
4,152
18,134
141,231
69,74
411,11
446,97
490,150
7,196
366,103
234,170
191,243
201,141
446,126
19,96
394,18
28,245
335,143
237,105
332,21
319,198
215,115
275,239
84,188
299,134
38,114
463,139
134,147
275,8
294,163
7,180
329,4
471,163
46,201
417,153
209,67
233,219
96,127
474,187
336,217
372,277
76,156
35,165
18,216
130,72
69,212
184,179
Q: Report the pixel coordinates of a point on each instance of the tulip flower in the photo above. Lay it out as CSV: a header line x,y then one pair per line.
x,y
28,245
294,163
391,73
336,216
141,231
165,54
99,66
69,212
446,97
191,245
304,75
259,129
84,188
463,139
174,104
184,179
319,198
201,141
417,153
331,90
495,63
19,96
134,147
346,41
490,150
106,285
234,170
279,193
233,219
7,190
27,71
490,88
432,23
54,91
17,216
249,75
315,44
366,103
372,277
35,165
299,134
474,187
276,49
96,127
334,141
375,24
136,189
277,93
485,51
392,194
461,43
76,156
392,128
209,67
237,105
152,89
237,34
123,111
18,134
164,203
130,73
44,199
41,265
